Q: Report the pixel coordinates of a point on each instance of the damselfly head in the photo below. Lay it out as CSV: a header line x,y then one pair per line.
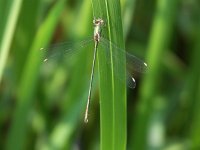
x,y
98,22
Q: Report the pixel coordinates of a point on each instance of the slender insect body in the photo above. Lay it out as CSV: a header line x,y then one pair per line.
x,y
98,23
97,35
137,64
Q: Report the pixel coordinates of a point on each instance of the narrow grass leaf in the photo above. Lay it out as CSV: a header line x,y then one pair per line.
x,y
8,33
112,91
194,92
29,79
158,43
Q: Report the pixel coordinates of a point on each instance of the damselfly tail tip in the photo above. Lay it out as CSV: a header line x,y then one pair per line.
x,y
86,117
86,120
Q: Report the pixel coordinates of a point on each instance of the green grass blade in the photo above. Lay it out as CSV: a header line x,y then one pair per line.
x,y
159,40
4,10
128,14
24,35
29,78
112,91
194,92
8,33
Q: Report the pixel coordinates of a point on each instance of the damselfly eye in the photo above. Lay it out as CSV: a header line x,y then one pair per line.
x,y
101,21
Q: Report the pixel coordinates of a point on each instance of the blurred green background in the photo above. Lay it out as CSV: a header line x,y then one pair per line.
x,y
42,104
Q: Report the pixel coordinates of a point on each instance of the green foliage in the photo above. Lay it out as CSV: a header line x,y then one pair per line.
x,y
159,39
42,104
112,91
27,86
8,32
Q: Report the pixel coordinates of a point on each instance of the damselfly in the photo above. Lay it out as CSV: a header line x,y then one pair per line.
x,y
132,62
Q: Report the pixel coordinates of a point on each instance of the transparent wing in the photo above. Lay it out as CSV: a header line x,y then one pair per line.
x,y
64,50
133,64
